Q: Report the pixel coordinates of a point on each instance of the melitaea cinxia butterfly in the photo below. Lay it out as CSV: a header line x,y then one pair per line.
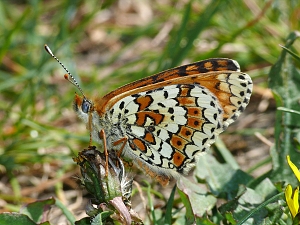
x,y
163,122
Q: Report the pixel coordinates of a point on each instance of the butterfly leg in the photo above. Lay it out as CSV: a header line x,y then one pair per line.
x,y
123,141
103,137
90,128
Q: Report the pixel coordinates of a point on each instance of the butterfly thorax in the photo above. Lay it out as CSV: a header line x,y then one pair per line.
x,y
96,122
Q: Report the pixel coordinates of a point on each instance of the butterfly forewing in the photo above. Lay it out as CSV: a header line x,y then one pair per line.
x,y
201,67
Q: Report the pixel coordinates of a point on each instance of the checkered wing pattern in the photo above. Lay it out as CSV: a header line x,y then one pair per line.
x,y
167,127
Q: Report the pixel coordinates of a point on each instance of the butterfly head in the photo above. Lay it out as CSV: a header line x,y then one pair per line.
x,y
82,107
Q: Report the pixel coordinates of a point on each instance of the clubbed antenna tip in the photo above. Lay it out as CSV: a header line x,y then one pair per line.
x,y
67,76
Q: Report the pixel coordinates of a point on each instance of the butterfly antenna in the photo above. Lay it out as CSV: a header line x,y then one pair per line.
x,y
67,76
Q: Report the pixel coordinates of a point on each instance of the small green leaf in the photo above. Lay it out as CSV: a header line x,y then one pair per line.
x,y
84,221
15,219
100,218
190,218
266,189
204,221
229,217
232,205
37,209
221,178
200,200
97,220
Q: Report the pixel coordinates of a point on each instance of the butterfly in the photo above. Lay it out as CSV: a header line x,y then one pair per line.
x,y
162,123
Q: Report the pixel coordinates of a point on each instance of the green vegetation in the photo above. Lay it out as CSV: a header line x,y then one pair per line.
x,y
108,45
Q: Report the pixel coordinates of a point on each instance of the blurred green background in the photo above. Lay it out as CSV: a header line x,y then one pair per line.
x,y
106,44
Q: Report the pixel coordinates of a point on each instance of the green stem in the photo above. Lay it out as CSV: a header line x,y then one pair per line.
x,y
260,207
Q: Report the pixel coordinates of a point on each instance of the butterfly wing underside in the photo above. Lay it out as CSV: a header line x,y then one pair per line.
x,y
170,122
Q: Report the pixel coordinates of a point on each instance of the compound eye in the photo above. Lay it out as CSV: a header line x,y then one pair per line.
x,y
85,106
